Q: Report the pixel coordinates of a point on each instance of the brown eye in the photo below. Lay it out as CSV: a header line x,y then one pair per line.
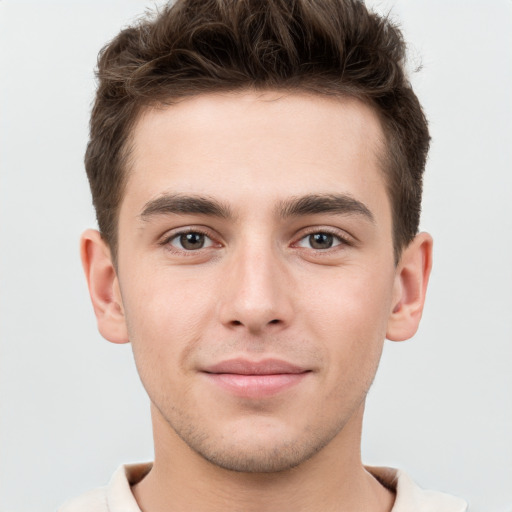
x,y
191,241
320,241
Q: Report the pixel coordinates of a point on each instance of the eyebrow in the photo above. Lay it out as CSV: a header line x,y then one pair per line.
x,y
315,204
183,204
312,204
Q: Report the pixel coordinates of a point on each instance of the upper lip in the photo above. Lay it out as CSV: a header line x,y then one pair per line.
x,y
242,366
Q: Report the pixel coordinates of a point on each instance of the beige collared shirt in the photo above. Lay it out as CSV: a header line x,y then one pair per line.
x,y
118,497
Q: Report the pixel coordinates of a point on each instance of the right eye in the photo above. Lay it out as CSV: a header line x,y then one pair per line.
x,y
190,241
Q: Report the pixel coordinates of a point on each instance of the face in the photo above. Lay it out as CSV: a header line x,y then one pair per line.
x,y
256,271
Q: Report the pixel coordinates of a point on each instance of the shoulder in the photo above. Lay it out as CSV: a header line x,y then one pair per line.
x,y
410,496
92,501
116,497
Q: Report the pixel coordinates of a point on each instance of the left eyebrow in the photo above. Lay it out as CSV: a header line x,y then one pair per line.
x,y
323,203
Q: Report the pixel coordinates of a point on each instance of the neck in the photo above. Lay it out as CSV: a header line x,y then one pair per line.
x,y
333,479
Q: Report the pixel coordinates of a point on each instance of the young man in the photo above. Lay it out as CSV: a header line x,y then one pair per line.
x,y
256,169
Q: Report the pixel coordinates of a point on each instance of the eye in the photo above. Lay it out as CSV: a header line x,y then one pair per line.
x,y
320,241
190,241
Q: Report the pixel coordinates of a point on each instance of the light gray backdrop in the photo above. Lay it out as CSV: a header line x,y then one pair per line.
x,y
72,407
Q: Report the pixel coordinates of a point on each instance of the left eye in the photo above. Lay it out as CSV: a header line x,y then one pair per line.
x,y
191,241
320,241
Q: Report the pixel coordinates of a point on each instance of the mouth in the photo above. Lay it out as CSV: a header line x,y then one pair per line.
x,y
255,379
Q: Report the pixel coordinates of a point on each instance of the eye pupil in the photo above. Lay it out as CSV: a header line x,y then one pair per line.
x,y
321,240
192,240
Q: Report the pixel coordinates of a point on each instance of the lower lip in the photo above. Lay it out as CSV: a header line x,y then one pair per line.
x,y
256,386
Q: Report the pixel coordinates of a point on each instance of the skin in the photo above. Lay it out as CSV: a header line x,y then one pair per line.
x,y
260,287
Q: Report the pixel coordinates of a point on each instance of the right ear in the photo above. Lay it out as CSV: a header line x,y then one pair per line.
x,y
103,287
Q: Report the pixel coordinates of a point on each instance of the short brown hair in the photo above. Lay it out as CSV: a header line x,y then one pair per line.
x,y
191,47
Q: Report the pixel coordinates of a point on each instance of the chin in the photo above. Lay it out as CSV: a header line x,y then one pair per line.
x,y
259,448
259,459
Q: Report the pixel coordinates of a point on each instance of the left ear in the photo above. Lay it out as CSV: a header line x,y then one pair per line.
x,y
411,281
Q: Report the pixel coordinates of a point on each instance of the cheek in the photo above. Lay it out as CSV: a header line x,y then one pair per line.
x,y
351,319
165,317
352,300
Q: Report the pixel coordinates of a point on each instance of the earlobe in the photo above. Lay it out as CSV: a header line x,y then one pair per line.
x,y
411,281
103,287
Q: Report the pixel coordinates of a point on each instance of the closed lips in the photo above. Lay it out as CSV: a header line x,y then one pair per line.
x,y
246,367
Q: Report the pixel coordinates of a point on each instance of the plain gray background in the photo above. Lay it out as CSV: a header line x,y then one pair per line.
x,y
72,407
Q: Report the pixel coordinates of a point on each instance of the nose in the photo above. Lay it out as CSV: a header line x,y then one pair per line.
x,y
257,292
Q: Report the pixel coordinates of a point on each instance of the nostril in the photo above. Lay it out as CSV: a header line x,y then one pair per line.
x,y
275,321
236,322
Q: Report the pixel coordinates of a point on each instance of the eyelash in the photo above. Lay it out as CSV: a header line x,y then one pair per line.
x,y
343,240
166,241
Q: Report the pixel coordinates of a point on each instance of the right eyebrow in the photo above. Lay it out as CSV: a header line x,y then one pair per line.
x,y
183,205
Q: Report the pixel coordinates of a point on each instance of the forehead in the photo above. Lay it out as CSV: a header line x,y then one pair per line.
x,y
256,146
